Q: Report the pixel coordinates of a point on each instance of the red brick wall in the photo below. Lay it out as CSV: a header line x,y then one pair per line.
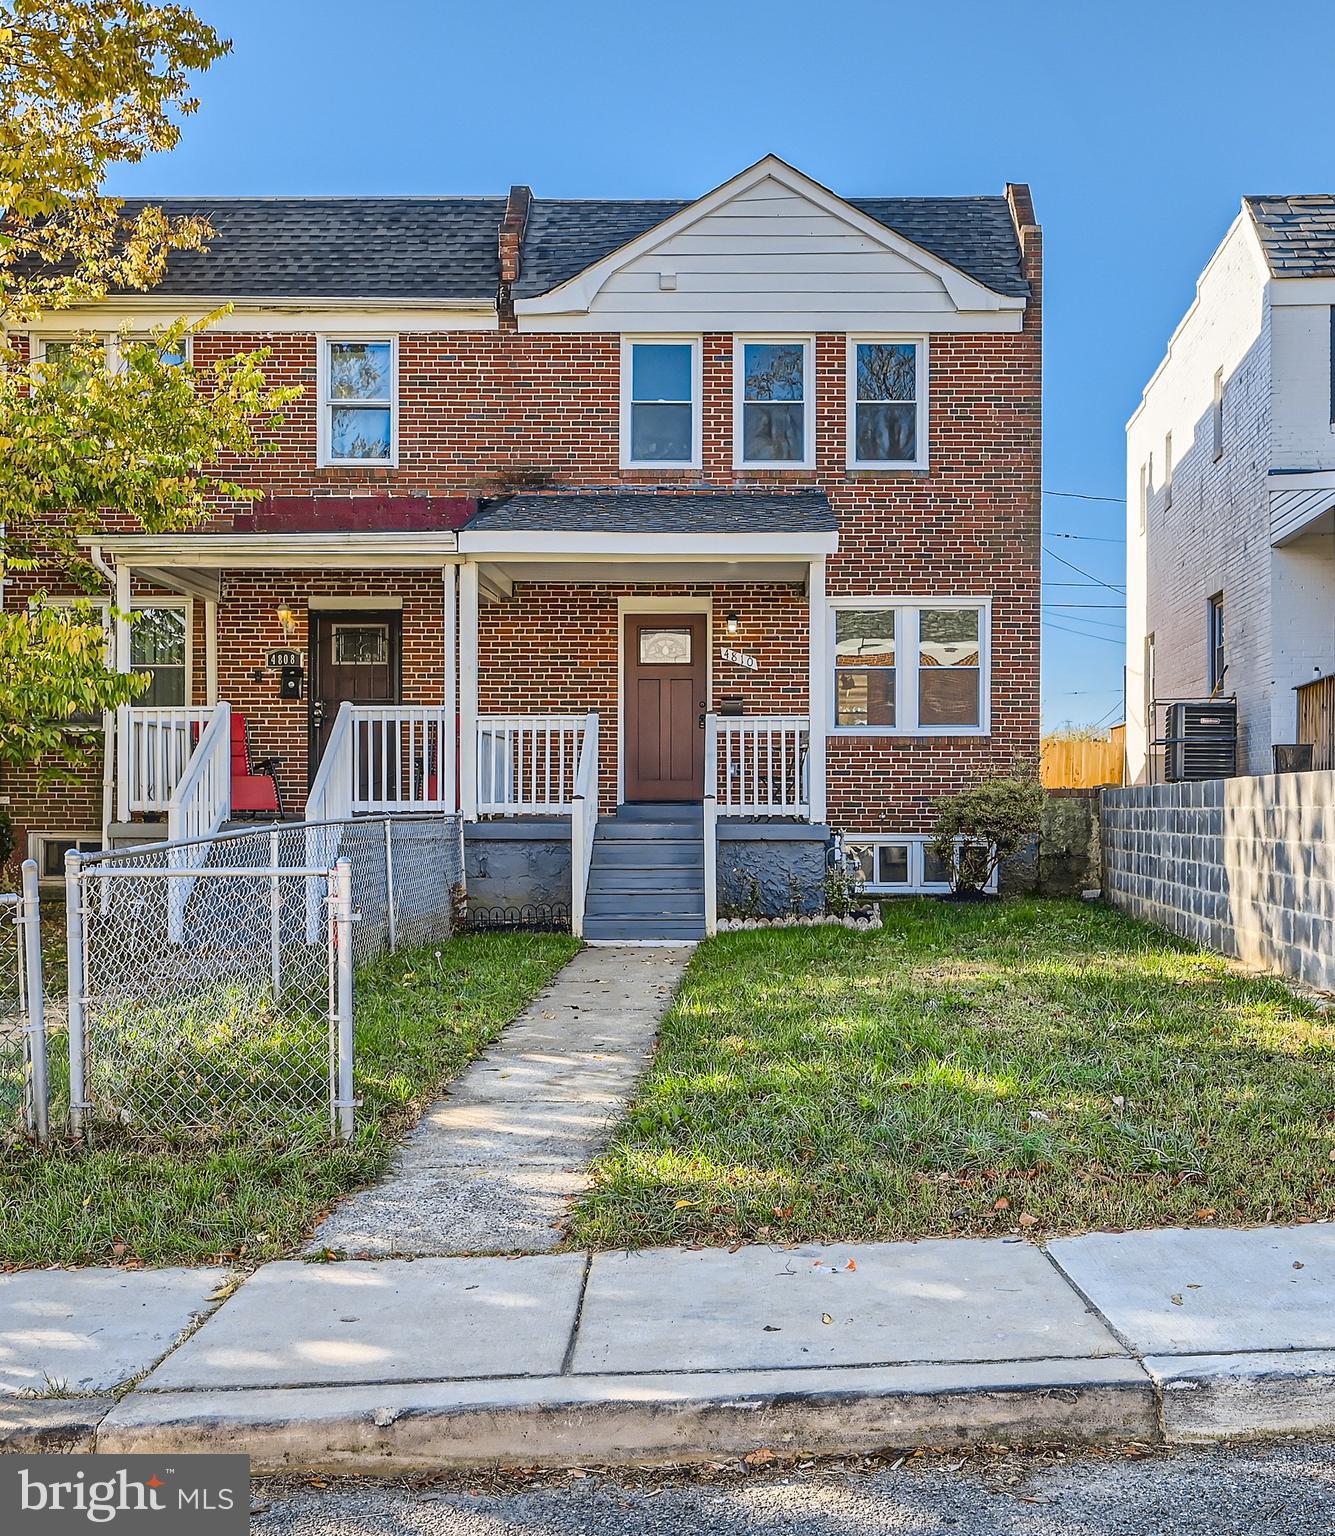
x,y
554,649
485,411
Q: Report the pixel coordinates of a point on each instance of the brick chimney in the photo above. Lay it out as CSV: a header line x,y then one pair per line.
x,y
510,242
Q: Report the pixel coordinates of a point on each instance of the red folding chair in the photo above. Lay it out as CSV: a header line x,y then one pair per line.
x,y
254,785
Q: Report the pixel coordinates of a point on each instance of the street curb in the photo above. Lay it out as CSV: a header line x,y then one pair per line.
x,y
601,1420
30,1426
1245,1396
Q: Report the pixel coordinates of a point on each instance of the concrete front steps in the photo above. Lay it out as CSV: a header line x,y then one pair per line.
x,y
647,876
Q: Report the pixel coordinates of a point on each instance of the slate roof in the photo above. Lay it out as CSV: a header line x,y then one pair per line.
x,y
338,247
974,234
659,512
1297,233
424,248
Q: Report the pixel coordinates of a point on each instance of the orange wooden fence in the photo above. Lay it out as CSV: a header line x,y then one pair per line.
x,y
1074,764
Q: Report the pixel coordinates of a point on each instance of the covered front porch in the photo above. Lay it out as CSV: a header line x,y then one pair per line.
x,y
524,680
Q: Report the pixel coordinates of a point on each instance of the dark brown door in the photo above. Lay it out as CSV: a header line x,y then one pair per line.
x,y
665,704
355,656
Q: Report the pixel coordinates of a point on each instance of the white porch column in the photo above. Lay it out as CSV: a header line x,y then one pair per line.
x,y
468,661
818,683
210,651
450,619
121,650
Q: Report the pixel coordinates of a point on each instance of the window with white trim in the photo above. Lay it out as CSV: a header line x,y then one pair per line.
x,y
912,668
774,392
59,352
887,391
892,865
48,850
158,647
660,404
358,400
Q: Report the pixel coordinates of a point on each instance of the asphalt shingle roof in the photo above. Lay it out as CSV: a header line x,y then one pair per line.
x,y
1297,233
423,248
338,247
974,234
659,512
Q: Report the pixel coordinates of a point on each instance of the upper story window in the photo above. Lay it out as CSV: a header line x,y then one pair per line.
x,y
1217,415
1168,470
1215,662
915,668
774,395
660,394
887,404
358,400
62,353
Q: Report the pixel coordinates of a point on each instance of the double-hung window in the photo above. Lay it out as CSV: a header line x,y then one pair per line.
x,y
887,386
915,668
158,647
774,421
358,400
660,404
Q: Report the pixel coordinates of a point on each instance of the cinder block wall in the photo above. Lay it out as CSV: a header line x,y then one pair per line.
x,y
1245,866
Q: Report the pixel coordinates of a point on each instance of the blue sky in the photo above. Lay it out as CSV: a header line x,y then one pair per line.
x,y
1139,127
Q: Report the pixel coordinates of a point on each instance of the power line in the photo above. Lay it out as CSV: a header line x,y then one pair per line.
x,y
1081,571
1083,605
1085,634
1086,496
1087,538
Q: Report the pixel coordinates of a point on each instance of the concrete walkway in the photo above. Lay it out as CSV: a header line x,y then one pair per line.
x,y
492,1166
1167,1336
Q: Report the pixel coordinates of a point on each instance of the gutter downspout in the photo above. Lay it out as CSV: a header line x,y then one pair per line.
x,y
108,717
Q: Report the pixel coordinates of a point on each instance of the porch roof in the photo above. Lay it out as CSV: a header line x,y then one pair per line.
x,y
659,512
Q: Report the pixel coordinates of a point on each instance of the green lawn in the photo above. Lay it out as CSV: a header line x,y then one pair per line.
x,y
1033,1065
420,1020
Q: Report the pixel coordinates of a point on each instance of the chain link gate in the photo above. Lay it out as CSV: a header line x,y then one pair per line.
x,y
24,1076
216,978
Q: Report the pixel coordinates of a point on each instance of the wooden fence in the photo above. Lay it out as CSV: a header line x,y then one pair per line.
x,y
1316,720
1069,763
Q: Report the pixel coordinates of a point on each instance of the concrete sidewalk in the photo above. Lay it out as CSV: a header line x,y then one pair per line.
x,y
672,1354
492,1167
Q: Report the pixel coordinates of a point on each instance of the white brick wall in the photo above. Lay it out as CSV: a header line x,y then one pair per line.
x,y
1216,535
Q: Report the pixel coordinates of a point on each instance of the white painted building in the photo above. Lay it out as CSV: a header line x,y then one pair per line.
x,y
1231,495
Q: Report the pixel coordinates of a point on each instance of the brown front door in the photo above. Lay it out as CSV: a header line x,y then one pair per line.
x,y
355,656
665,703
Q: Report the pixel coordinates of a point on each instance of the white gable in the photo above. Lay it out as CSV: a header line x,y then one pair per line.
x,y
772,252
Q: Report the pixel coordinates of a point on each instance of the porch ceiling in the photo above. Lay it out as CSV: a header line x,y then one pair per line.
x,y
498,576
193,554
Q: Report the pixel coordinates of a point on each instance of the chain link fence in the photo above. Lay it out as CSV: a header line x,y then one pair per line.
x,y
211,983
24,1083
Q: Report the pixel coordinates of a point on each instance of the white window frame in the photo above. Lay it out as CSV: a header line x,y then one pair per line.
x,y
921,374
808,460
628,345
185,605
907,610
324,456
37,849
111,344
917,883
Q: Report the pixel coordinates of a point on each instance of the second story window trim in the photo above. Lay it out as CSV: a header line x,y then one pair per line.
x,y
887,403
661,391
774,399
359,401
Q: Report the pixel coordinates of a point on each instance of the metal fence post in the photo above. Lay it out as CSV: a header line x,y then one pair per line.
x,y
76,970
390,902
340,891
38,1097
275,919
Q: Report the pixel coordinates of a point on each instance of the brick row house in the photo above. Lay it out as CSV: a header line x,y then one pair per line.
x,y
655,537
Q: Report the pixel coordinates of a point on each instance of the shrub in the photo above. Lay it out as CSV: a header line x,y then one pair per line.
x,y
987,824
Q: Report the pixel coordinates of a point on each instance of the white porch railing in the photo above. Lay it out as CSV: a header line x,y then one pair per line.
x,y
153,746
200,804
583,823
527,764
756,765
403,758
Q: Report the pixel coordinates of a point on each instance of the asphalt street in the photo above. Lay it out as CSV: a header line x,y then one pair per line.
x,y
1286,1489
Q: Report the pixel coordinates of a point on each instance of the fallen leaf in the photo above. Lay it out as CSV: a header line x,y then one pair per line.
x,y
680,1205
1027,1220
1176,1300
758,1458
770,1328
852,1264
1206,1213
1298,1264
826,1318
783,1212
1002,1205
